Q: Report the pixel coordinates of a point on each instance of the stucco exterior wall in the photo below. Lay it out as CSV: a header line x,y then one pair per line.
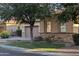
x,y
69,26
22,26
11,26
41,26
55,27
66,36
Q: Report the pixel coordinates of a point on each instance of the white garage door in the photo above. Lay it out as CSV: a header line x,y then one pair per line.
x,y
35,31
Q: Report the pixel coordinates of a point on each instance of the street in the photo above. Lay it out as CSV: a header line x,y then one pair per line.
x,y
5,52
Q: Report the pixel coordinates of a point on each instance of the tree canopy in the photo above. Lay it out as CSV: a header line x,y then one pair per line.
x,y
24,13
28,13
70,13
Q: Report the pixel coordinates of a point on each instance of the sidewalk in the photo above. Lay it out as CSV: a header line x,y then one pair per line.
x,y
16,38
57,52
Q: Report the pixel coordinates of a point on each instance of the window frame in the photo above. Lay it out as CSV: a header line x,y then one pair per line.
x,y
49,26
63,27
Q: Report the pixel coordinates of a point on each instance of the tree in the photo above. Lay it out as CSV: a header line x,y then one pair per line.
x,y
24,13
71,11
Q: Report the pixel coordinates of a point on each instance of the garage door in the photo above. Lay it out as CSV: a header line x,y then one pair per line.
x,y
35,31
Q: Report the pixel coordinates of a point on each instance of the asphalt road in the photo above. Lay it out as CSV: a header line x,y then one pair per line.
x,y
6,52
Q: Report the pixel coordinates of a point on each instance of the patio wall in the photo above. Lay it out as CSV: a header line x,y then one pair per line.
x,y
65,37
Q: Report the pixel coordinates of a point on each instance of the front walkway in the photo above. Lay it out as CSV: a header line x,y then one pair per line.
x,y
71,51
12,39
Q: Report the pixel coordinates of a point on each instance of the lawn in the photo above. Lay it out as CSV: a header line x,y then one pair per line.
x,y
32,45
42,46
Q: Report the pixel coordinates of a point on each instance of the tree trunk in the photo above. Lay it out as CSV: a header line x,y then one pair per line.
x,y
31,32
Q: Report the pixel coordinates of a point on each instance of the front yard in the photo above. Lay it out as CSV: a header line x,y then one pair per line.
x,y
41,46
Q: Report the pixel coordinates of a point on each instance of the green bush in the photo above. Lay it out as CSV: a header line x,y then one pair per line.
x,y
19,32
4,34
76,39
48,39
39,38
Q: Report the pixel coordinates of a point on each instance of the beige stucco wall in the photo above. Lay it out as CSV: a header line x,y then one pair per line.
x,y
2,27
55,26
41,26
22,26
69,26
11,26
66,37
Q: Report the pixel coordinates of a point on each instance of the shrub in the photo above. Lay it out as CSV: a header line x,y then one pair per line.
x,y
39,38
48,39
76,39
4,34
19,32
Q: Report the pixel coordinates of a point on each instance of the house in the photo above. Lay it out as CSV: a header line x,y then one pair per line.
x,y
45,28
64,31
2,27
12,26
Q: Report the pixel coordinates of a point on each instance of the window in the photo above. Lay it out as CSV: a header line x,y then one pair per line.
x,y
48,26
63,27
75,28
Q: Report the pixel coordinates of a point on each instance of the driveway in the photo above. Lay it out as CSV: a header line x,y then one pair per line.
x,y
16,38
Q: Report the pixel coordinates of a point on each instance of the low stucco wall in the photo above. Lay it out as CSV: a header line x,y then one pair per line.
x,y
65,37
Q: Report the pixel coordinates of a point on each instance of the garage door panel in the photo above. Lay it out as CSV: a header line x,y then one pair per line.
x,y
27,32
35,31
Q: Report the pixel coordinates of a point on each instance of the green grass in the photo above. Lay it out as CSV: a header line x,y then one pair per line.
x,y
36,45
